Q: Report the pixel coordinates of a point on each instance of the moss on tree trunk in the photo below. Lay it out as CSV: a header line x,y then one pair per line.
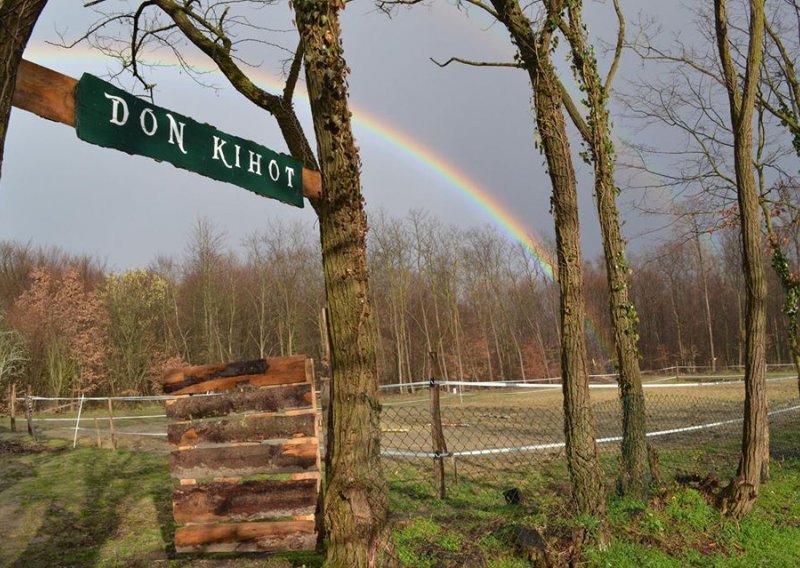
x,y
355,496
582,460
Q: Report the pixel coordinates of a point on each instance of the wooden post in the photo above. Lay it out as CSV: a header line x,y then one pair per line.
x,y
29,412
111,424
437,433
97,433
12,407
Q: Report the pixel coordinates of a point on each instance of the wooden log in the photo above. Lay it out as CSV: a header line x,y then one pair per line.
x,y
231,461
45,93
12,403
51,95
267,399
29,412
187,376
262,372
247,428
246,537
246,501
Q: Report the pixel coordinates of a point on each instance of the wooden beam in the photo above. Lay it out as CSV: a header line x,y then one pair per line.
x,y
226,376
265,399
244,501
51,95
248,428
295,456
45,93
247,537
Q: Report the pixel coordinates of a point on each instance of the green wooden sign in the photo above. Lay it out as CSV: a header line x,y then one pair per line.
x,y
110,117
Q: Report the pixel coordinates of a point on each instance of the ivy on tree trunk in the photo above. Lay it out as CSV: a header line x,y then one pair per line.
x,y
355,495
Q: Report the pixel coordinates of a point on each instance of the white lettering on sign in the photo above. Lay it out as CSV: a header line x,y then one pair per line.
x,y
118,103
255,163
150,123
290,174
176,132
218,155
274,170
154,123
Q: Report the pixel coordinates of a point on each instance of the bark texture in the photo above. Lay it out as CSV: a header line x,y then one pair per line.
x,y
634,478
17,18
584,467
738,497
355,499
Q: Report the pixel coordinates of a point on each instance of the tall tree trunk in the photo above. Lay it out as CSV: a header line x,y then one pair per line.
x,y
17,18
707,303
634,477
738,497
582,460
355,497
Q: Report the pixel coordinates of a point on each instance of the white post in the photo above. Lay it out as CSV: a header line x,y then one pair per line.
x,y
78,422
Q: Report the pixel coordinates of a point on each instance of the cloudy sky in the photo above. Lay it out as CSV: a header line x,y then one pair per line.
x,y
429,137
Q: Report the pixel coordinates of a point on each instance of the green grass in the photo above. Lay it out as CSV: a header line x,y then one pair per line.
x,y
90,507
97,507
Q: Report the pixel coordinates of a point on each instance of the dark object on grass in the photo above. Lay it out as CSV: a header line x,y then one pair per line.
x,y
513,496
529,543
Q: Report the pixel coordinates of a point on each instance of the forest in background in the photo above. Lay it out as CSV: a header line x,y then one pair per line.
x,y
484,303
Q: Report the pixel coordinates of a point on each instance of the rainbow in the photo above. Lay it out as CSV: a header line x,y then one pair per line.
x,y
441,168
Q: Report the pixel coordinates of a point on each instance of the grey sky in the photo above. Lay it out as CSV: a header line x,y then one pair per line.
x,y
58,190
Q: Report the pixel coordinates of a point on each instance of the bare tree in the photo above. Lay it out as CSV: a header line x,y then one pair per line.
x,y
739,496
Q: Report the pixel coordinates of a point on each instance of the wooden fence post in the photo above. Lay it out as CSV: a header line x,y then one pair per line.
x,y
29,412
437,433
12,404
111,424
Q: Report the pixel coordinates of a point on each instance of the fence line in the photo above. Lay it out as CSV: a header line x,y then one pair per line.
x,y
514,384
559,445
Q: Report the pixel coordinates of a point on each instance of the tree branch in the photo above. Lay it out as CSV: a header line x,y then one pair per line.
x,y
294,73
512,64
617,50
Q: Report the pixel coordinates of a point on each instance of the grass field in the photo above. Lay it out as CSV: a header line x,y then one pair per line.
x,y
99,507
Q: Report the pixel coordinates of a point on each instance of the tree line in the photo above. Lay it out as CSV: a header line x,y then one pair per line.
x,y
482,301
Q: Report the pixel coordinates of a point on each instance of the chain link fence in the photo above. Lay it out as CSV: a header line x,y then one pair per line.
x,y
471,436
498,437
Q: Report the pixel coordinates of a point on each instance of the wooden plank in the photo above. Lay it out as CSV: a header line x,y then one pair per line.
x,y
231,461
51,95
247,428
312,184
247,537
278,370
186,376
274,399
45,93
246,501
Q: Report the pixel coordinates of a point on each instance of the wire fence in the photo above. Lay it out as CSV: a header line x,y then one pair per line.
x,y
437,435
496,436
